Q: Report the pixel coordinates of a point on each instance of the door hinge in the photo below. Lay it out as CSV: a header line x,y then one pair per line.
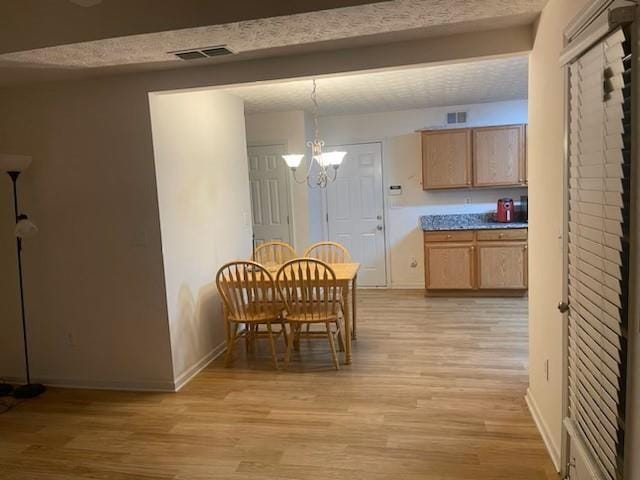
x,y
288,220
327,216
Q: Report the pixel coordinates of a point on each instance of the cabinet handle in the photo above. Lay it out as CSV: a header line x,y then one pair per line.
x,y
500,235
448,236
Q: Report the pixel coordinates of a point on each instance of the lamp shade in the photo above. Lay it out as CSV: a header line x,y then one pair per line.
x,y
25,228
331,158
10,162
293,160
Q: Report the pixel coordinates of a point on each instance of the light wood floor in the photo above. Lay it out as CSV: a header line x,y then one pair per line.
x,y
435,393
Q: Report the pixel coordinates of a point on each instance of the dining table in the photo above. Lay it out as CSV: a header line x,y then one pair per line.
x,y
347,278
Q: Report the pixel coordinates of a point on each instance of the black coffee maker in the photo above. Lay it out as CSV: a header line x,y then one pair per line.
x,y
524,208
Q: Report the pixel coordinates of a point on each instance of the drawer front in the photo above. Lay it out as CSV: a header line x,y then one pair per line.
x,y
502,234
449,236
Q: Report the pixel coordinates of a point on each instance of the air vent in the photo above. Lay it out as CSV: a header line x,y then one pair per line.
x,y
216,51
456,117
193,55
206,52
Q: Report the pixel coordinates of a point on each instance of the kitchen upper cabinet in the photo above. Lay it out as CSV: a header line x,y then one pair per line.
x,y
474,157
450,267
502,266
499,156
446,159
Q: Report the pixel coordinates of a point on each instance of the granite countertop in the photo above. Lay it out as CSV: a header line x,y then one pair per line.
x,y
465,221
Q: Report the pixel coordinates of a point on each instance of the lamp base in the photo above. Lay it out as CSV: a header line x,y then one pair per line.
x,y
5,389
29,390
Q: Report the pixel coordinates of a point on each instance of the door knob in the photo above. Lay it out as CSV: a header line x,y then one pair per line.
x,y
379,217
379,228
563,307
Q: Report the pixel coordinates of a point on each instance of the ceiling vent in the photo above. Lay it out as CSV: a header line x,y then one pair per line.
x,y
456,117
206,52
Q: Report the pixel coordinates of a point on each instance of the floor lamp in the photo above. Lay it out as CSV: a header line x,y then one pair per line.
x,y
13,165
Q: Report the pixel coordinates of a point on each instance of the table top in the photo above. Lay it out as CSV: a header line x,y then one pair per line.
x,y
343,271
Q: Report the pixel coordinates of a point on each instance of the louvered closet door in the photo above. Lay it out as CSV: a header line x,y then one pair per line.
x,y
599,154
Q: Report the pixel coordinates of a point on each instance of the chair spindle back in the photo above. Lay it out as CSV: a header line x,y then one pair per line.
x,y
308,288
247,290
328,252
273,253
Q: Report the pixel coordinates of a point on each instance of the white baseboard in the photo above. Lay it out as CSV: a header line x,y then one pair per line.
x,y
552,448
77,383
408,286
197,367
134,385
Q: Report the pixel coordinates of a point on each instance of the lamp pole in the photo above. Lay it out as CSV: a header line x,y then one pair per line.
x,y
30,389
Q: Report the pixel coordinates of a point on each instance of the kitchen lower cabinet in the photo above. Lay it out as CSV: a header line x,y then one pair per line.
x,y
476,262
450,266
502,265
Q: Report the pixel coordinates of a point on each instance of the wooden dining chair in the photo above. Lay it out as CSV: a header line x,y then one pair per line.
x,y
250,297
328,252
273,253
309,290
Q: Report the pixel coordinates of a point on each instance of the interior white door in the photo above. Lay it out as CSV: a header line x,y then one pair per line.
x,y
355,210
269,193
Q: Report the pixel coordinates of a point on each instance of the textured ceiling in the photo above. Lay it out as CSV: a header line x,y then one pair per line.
x,y
432,86
274,32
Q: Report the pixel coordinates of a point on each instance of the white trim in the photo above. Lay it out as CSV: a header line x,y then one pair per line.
x,y
408,286
186,376
552,448
132,386
590,25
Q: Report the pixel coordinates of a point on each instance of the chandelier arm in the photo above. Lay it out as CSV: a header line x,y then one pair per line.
x,y
311,160
295,177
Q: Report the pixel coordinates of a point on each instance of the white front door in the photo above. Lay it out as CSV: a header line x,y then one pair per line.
x,y
355,210
269,193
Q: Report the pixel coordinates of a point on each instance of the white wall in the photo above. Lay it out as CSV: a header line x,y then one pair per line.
x,y
93,276
546,186
402,166
203,198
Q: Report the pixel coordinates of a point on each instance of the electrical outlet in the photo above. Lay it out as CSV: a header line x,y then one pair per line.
x,y
468,200
414,263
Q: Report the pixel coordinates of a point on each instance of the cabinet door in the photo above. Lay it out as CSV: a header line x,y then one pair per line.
x,y
502,265
449,266
446,159
498,156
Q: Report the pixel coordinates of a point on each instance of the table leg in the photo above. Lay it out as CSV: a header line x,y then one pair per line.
x,y
347,325
354,308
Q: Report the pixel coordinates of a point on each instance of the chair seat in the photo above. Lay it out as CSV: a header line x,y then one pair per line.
x,y
256,313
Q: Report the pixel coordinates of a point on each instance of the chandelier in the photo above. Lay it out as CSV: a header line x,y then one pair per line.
x,y
328,162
